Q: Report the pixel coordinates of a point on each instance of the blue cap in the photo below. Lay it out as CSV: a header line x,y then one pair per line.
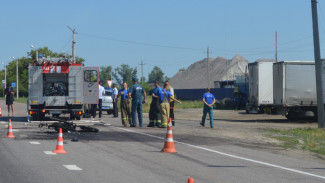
x,y
134,79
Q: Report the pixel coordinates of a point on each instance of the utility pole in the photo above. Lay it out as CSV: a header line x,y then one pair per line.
x,y
276,46
208,73
208,67
142,64
318,67
17,77
73,43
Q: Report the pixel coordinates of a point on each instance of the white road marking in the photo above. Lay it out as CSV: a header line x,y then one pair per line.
x,y
72,167
34,142
233,156
15,130
3,122
49,153
22,135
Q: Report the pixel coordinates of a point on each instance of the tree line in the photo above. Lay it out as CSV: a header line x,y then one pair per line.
x,y
121,74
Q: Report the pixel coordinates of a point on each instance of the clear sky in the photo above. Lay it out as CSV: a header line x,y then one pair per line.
x,y
170,34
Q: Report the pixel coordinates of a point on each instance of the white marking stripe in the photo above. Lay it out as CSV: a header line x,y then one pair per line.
x,y
60,143
169,132
34,142
15,130
72,167
234,156
60,134
49,153
169,140
22,135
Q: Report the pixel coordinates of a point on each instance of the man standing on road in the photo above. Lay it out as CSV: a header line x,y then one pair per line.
x,y
164,99
172,102
101,91
125,105
154,112
10,99
208,100
115,99
136,92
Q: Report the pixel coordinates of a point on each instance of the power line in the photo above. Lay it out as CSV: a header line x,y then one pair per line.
x,y
139,43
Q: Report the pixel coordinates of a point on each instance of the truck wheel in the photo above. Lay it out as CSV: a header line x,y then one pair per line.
x,y
35,118
72,117
77,117
41,117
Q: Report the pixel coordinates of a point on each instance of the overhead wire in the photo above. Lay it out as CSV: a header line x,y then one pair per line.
x,y
139,43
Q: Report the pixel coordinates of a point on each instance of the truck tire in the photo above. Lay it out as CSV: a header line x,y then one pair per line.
x,y
77,117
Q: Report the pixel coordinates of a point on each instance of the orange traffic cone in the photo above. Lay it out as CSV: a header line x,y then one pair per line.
x,y
169,146
59,146
0,112
10,134
190,180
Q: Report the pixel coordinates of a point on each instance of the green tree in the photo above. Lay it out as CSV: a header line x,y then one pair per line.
x,y
124,74
23,63
46,52
105,74
156,75
145,86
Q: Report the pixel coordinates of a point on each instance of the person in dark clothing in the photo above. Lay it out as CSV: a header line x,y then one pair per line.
x,y
154,112
10,99
115,100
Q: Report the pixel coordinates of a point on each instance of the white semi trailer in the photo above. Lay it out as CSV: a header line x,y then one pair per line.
x,y
260,86
294,88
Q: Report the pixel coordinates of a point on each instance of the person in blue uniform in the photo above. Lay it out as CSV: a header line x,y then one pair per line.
x,y
138,95
154,112
208,100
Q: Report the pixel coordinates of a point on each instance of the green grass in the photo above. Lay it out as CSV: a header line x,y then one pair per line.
x,y
310,139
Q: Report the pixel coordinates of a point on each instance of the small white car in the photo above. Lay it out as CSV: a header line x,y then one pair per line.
x,y
107,101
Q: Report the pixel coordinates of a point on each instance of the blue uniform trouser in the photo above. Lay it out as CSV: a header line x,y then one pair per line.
x,y
137,107
207,109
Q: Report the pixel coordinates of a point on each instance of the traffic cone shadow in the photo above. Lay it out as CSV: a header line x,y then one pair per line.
x,y
59,146
169,146
10,134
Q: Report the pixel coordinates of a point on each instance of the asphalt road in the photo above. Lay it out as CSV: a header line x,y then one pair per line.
x,y
119,154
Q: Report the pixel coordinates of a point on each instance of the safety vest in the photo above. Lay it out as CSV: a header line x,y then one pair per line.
x,y
173,93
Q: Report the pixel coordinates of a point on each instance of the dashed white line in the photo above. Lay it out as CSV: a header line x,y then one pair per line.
x,y
233,156
49,153
72,167
34,142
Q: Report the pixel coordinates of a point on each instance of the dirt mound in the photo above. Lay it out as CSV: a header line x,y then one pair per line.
x,y
195,76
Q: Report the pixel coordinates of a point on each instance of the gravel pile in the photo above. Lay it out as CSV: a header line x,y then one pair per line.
x,y
195,76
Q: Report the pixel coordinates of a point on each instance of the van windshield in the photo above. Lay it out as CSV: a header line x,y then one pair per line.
x,y
108,93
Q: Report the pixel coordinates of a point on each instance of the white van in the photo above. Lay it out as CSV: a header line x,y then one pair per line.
x,y
107,101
